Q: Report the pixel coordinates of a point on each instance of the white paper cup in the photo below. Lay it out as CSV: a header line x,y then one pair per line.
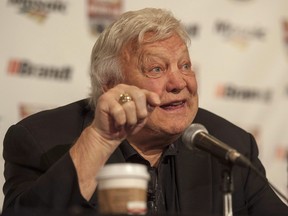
x,y
122,188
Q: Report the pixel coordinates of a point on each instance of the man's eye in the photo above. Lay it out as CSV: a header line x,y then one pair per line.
x,y
156,69
187,69
154,72
186,66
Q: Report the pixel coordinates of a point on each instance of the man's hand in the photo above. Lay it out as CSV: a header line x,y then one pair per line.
x,y
113,122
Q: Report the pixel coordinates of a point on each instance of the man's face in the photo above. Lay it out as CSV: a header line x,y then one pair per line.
x,y
164,67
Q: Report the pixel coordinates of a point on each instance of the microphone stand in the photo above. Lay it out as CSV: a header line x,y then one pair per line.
x,y
227,189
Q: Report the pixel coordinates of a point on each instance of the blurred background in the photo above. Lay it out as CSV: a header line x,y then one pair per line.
x,y
239,51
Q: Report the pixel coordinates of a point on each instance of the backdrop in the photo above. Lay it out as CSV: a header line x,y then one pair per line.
x,y
239,50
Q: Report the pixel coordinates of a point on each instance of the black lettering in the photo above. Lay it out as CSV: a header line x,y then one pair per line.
x,y
14,1
43,72
247,94
229,92
228,30
37,5
25,5
192,30
223,27
48,73
55,6
65,73
260,33
55,73
26,69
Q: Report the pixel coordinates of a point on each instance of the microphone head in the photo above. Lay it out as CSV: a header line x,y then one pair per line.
x,y
189,134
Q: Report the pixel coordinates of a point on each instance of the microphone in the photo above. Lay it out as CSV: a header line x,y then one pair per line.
x,y
198,136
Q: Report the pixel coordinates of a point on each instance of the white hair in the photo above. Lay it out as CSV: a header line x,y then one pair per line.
x,y
131,26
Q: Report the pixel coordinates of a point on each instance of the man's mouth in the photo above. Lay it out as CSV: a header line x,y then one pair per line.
x,y
173,105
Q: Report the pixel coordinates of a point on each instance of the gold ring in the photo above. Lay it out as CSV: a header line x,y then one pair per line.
x,y
124,98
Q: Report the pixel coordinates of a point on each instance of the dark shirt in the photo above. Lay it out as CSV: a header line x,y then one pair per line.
x,y
162,194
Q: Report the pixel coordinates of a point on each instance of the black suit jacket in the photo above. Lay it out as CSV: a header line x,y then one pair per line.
x,y
40,174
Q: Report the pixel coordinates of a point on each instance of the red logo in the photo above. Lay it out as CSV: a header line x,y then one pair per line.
x,y
14,66
102,13
27,68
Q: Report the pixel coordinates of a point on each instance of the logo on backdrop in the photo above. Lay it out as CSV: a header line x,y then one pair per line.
x,y
39,9
192,29
25,68
228,91
101,13
281,151
239,35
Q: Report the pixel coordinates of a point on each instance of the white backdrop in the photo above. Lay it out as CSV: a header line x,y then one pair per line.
x,y
239,50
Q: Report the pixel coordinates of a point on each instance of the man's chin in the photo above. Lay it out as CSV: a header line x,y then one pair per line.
x,y
166,131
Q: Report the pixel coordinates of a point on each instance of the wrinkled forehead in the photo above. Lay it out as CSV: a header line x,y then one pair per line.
x,y
136,46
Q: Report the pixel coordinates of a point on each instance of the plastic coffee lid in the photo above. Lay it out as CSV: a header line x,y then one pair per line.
x,y
123,170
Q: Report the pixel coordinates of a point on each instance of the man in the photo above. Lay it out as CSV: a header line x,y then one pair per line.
x,y
144,95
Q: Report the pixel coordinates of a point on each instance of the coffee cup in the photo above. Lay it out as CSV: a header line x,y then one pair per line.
x,y
122,189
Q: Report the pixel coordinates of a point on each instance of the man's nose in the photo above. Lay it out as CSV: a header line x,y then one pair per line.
x,y
175,81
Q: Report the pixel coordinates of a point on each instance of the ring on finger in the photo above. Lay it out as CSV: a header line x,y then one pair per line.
x,y
124,98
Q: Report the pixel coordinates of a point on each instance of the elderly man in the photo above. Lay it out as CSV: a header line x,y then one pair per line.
x,y
144,96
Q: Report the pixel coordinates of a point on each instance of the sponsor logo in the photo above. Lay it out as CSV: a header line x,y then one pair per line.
x,y
101,13
239,35
193,29
39,9
243,93
281,152
25,68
